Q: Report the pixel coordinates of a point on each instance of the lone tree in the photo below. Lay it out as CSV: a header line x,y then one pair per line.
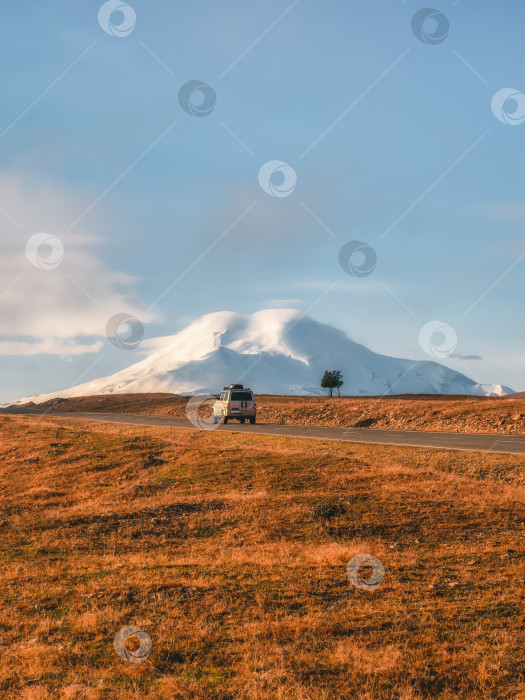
x,y
332,379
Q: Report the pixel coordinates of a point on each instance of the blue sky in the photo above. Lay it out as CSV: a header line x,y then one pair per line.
x,y
393,142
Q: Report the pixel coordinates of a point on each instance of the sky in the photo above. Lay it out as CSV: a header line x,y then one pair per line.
x,y
167,160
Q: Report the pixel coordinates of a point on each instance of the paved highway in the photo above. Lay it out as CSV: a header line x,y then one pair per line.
x,y
476,442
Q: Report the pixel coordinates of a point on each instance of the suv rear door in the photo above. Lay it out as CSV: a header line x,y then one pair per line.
x,y
241,403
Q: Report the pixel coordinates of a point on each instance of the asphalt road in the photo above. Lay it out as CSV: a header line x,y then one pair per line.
x,y
476,442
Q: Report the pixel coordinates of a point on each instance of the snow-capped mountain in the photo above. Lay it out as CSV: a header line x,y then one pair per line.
x,y
276,351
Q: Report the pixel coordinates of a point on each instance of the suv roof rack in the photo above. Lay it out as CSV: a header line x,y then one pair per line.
x,y
236,386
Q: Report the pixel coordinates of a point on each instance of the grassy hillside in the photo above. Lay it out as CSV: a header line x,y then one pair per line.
x,y
230,552
441,413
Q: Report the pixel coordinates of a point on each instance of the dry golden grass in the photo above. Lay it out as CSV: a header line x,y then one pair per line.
x,y
467,414
229,550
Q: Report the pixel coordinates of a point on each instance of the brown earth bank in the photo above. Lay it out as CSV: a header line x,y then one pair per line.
x,y
230,552
465,414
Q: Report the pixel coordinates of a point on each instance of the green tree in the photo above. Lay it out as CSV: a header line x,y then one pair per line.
x,y
326,382
338,380
332,379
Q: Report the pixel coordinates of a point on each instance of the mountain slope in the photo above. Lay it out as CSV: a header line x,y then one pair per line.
x,y
276,351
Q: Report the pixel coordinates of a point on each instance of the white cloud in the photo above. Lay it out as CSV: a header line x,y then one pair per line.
x,y
510,213
50,346
284,302
343,284
55,306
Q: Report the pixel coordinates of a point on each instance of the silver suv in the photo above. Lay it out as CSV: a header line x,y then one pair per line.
x,y
235,402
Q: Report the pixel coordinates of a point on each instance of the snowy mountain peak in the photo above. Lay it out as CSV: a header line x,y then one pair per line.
x,y
275,351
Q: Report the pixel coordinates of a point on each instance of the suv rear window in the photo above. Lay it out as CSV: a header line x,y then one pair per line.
x,y
241,396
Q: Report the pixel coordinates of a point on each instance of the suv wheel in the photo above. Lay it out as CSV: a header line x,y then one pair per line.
x,y
241,420
225,420
252,420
